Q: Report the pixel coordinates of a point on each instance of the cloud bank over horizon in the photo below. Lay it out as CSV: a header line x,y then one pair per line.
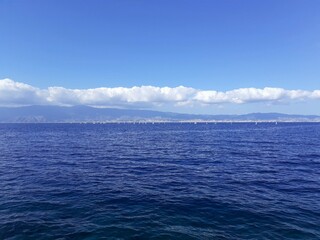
x,y
20,94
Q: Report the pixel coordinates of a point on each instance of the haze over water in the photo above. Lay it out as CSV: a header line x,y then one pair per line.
x,y
160,181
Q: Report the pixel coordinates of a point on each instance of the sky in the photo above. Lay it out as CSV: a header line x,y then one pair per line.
x,y
204,56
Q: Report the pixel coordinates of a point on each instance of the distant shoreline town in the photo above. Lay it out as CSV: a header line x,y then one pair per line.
x,y
85,114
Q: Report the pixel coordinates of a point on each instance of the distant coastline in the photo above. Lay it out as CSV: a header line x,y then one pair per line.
x,y
85,114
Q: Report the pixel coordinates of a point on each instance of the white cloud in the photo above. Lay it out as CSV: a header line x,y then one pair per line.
x,y
119,96
14,94
246,95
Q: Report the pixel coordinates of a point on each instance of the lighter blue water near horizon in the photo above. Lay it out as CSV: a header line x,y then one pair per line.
x,y
161,181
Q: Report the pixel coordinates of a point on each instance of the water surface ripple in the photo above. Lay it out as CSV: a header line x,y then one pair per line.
x,y
160,181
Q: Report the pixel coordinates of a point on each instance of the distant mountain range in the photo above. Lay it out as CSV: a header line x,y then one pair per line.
x,y
58,114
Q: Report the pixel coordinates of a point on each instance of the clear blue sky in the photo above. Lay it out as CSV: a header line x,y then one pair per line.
x,y
204,44
210,44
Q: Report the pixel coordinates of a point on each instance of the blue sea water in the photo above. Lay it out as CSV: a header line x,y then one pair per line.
x,y
160,181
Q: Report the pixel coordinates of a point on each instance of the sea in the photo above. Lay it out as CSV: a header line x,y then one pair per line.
x,y
160,181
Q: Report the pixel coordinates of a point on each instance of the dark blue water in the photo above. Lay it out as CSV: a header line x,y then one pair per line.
x,y
161,181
